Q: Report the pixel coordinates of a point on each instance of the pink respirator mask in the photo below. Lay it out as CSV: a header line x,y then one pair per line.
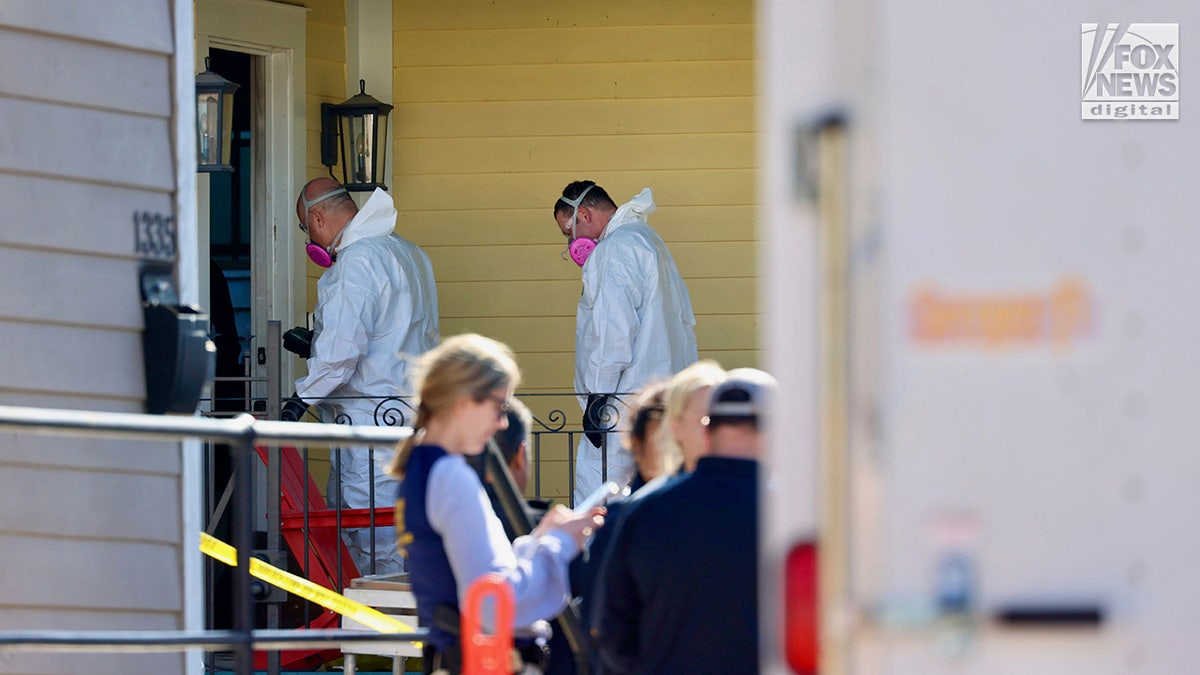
x,y
579,248
320,255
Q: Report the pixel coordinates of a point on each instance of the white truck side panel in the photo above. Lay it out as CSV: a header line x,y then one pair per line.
x,y
1051,442
1025,397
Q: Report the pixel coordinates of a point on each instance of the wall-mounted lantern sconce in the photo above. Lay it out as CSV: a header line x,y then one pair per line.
x,y
214,120
360,123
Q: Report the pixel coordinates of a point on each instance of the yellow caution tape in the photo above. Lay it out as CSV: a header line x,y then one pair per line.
x,y
367,616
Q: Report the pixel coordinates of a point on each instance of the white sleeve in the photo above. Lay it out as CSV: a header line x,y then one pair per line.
x,y
475,544
346,313
615,322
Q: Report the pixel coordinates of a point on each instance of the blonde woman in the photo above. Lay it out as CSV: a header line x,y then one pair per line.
x,y
685,403
446,527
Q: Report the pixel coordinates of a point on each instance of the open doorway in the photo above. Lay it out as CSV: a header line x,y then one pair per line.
x,y
231,251
231,305
240,217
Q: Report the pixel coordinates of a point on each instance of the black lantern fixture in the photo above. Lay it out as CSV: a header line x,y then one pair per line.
x,y
214,120
357,130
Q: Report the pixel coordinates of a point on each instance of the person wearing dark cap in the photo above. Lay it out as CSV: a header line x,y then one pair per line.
x,y
677,590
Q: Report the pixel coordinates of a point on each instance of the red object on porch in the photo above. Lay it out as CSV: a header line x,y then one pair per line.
x,y
322,556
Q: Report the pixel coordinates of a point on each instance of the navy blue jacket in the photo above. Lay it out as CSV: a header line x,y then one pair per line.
x,y
432,578
678,587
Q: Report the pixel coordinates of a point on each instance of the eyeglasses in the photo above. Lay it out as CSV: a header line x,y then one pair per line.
x,y
303,224
502,403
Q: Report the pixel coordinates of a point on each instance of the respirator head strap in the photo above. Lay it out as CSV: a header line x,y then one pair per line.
x,y
578,248
320,198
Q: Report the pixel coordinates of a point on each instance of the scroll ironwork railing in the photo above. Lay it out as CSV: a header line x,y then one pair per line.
x,y
301,517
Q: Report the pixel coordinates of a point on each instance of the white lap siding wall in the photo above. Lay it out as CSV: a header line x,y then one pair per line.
x,y
92,531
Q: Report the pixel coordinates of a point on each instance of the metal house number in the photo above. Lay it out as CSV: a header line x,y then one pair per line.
x,y
154,235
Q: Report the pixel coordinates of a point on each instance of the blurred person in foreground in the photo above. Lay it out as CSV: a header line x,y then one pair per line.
x,y
446,528
513,444
651,473
682,436
678,588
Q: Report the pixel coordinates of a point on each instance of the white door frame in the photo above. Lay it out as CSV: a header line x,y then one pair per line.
x,y
277,33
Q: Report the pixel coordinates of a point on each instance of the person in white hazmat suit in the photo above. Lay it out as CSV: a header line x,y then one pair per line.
x,y
376,312
634,323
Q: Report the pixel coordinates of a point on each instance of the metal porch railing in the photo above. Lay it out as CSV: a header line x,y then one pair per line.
x,y
242,434
554,436
556,429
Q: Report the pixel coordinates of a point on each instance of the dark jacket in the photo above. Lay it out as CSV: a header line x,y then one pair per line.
x,y
677,591
430,572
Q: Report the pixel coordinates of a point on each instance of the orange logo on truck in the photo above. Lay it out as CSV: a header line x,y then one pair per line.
x,y
1058,317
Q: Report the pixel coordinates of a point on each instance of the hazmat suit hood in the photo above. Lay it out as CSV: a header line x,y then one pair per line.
x,y
635,209
376,218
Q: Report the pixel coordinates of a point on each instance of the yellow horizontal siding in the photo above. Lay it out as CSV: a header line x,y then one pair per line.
x,y
640,152
469,301
676,79
733,358
473,14
326,78
729,259
719,295
467,306
312,145
498,106
325,82
554,478
555,371
523,312
327,11
547,371
312,107
489,264
510,46
537,226
312,134
557,333
522,333
710,187
570,119
325,41
541,300
731,331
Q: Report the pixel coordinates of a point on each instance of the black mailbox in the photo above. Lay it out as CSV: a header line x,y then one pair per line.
x,y
179,357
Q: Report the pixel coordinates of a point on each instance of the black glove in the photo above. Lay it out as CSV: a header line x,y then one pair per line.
x,y
298,341
293,410
594,426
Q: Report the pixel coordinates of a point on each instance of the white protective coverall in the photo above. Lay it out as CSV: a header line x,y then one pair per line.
x,y
376,312
634,324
